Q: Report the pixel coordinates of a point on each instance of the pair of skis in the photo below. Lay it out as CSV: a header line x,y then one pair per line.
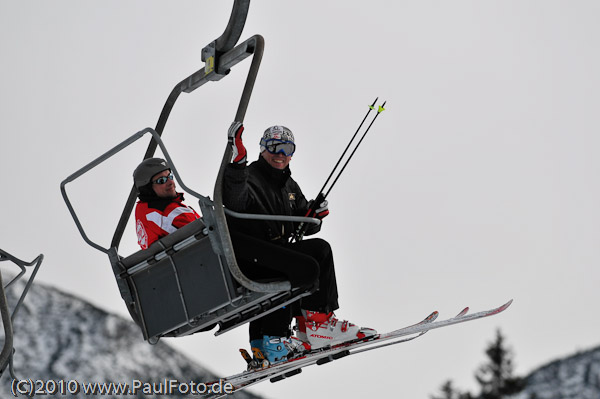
x,y
280,371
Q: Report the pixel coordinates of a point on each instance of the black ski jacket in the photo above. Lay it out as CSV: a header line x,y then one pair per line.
x,y
260,188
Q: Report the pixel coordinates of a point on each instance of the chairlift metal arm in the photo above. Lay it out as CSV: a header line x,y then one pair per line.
x,y
221,221
86,169
36,263
280,218
7,348
7,318
234,28
108,154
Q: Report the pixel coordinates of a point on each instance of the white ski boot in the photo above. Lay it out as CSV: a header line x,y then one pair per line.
x,y
320,330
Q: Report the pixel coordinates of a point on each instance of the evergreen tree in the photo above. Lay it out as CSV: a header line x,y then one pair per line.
x,y
496,377
448,391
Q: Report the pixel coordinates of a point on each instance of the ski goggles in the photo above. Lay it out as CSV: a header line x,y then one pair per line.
x,y
163,179
276,146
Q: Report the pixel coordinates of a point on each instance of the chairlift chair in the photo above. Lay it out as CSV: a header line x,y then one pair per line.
x,y
189,281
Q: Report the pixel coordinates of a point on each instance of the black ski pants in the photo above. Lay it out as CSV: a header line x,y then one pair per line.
x,y
303,263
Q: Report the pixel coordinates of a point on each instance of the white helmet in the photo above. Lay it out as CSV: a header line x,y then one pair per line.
x,y
277,132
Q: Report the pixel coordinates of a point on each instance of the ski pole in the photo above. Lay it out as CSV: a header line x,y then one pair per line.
x,y
379,111
301,230
371,107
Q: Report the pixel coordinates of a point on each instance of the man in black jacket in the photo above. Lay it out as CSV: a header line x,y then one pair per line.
x,y
266,187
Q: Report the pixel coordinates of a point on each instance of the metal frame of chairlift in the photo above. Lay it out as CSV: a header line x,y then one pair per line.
x,y
6,356
149,278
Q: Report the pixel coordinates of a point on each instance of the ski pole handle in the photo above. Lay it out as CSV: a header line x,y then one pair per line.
x,y
302,227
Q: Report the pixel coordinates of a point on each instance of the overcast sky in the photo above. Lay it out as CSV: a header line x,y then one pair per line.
x,y
478,184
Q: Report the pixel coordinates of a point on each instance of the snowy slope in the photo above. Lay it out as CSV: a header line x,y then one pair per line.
x,y
575,377
58,336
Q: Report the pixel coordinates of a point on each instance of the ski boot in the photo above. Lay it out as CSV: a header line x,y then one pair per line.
x,y
257,359
298,346
321,330
280,349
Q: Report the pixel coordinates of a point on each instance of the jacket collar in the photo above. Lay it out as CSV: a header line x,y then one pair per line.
x,y
161,203
279,176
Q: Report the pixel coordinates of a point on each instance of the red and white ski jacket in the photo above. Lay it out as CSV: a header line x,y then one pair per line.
x,y
157,219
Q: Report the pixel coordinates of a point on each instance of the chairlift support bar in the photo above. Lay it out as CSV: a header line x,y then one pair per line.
x,y
7,318
7,348
234,28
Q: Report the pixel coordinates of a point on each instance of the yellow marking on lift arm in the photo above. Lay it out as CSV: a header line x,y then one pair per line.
x,y
209,66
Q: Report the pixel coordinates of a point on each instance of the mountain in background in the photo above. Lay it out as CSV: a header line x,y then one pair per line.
x,y
574,377
60,337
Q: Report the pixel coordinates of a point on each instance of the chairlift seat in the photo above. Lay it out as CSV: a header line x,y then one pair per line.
x,y
179,286
176,280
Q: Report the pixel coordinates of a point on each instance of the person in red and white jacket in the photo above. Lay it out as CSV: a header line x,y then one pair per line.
x,y
160,210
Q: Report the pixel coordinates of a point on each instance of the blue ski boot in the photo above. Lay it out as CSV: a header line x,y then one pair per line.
x,y
277,349
258,358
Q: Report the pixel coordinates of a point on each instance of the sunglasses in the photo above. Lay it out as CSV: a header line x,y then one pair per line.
x,y
163,179
276,146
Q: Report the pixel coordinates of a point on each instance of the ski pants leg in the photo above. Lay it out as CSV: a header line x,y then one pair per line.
x,y
260,259
325,299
